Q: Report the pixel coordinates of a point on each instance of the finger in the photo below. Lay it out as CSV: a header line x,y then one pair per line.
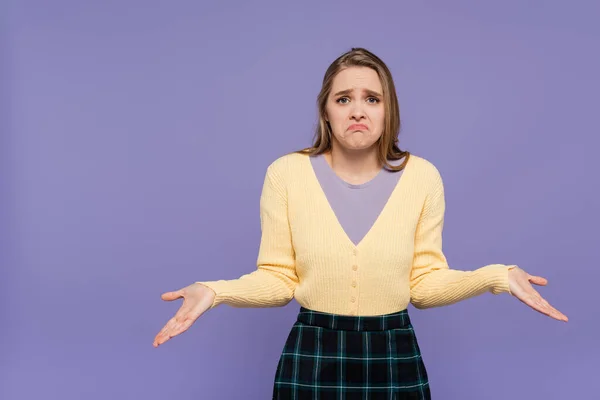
x,y
170,296
164,330
538,280
548,310
533,301
544,302
162,338
165,333
174,329
182,327
536,305
158,339
553,312
176,325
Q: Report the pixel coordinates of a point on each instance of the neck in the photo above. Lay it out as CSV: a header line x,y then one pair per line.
x,y
354,167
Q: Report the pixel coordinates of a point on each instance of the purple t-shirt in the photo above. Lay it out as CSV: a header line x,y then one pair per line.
x,y
356,206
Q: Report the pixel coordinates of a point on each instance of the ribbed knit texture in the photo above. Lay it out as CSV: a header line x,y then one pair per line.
x,y
305,253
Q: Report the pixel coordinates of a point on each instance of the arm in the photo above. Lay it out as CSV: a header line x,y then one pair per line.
x,y
273,283
432,282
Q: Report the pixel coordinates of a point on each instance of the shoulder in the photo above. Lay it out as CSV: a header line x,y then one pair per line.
x,y
287,165
286,169
425,168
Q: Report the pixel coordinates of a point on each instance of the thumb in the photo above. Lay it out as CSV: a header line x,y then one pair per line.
x,y
538,280
170,296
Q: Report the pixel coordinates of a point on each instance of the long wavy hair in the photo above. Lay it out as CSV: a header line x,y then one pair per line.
x,y
388,142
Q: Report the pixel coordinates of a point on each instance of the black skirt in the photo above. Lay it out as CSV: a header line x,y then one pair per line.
x,y
328,356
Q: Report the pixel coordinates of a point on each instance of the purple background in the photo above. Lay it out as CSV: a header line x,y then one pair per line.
x,y
136,135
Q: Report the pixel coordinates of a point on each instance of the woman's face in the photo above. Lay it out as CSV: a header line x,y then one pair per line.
x,y
355,108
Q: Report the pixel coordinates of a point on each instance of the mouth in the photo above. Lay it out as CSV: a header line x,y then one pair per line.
x,y
357,127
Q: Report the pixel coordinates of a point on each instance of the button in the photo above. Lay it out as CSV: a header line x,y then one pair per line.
x,y
353,299
355,267
353,283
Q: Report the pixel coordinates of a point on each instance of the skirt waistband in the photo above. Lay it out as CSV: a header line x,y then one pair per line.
x,y
384,322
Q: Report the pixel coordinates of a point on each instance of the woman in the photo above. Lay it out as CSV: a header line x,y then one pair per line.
x,y
352,228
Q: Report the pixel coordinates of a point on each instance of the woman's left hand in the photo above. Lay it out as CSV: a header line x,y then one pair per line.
x,y
520,287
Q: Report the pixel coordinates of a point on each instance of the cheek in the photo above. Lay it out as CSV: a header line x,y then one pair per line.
x,y
337,121
336,116
379,115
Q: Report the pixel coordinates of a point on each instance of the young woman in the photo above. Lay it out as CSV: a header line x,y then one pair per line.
x,y
352,229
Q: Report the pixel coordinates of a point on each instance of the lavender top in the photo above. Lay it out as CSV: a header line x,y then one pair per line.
x,y
356,206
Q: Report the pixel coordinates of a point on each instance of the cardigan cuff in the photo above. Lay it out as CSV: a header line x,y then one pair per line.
x,y
498,278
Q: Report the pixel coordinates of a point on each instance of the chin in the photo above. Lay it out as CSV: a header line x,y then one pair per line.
x,y
359,146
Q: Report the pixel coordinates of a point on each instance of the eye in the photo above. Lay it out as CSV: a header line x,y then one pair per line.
x,y
376,100
341,98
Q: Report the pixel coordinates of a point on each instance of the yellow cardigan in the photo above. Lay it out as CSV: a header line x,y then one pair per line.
x,y
305,254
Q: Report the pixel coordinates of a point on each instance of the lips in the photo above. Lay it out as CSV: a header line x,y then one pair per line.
x,y
357,127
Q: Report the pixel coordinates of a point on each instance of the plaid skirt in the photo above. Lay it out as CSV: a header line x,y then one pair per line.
x,y
328,356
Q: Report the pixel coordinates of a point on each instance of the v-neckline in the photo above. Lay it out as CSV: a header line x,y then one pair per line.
x,y
383,211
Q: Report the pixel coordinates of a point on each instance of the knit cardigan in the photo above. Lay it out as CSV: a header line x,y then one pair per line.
x,y
305,254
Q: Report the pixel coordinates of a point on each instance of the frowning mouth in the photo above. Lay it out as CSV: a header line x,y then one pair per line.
x,y
358,127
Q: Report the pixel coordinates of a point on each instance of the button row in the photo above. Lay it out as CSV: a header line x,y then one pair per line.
x,y
353,284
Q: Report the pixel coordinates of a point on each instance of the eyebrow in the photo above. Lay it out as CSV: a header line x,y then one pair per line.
x,y
348,91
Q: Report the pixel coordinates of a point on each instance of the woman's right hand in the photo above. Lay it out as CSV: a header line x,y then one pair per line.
x,y
197,298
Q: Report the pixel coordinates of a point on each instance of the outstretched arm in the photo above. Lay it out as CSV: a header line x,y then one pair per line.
x,y
273,283
432,282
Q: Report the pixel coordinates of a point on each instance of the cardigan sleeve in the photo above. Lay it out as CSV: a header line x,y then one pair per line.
x,y
274,281
432,282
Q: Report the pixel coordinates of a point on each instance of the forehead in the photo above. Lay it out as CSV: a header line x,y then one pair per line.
x,y
356,78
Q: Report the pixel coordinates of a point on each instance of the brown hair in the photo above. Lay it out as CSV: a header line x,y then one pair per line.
x,y
388,142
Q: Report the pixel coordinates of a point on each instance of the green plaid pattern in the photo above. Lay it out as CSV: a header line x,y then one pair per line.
x,y
328,356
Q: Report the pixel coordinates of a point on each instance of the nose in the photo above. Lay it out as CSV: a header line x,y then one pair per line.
x,y
357,112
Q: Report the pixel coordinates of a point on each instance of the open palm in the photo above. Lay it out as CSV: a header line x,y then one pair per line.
x,y
520,286
197,298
